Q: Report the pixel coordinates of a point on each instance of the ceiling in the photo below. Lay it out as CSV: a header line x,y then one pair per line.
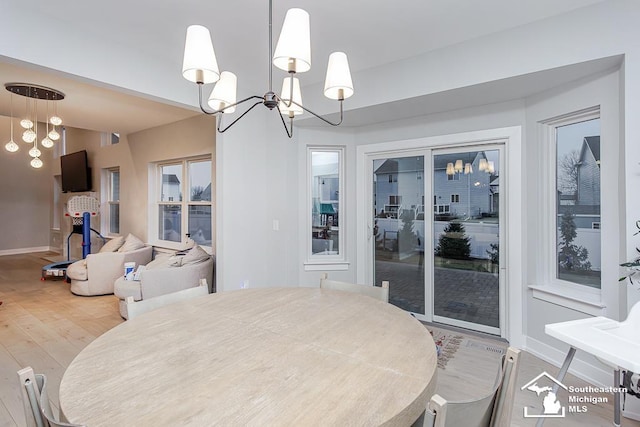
x,y
371,32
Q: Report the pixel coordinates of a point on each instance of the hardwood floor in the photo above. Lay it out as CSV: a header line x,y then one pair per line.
x,y
44,326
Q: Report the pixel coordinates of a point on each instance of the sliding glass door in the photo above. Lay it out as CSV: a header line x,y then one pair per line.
x,y
399,229
436,233
466,238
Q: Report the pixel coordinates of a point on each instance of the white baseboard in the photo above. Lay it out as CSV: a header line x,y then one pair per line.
x,y
598,376
19,251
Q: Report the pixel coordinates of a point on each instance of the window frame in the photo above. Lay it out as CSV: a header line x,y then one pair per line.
x,y
155,196
319,261
108,201
568,294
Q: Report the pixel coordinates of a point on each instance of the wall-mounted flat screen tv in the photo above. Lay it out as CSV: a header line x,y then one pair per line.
x,y
76,174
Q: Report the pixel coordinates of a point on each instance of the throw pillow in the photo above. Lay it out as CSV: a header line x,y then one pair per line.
x,y
195,255
131,243
112,245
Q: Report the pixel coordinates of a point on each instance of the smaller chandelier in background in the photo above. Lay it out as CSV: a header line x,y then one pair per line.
x,y
34,93
459,167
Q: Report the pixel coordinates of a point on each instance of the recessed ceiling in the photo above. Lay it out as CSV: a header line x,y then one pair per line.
x,y
372,33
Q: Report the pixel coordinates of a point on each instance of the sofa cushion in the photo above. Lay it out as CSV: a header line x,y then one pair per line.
x,y
161,261
78,270
195,255
127,288
113,244
131,243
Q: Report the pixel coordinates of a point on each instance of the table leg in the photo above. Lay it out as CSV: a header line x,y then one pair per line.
x,y
561,374
616,398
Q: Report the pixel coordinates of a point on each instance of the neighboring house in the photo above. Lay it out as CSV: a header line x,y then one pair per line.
x,y
585,204
399,185
468,195
171,188
589,172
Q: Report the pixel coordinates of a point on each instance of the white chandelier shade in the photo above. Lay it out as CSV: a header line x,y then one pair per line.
x,y
338,84
293,51
29,136
292,54
199,64
459,166
223,95
288,108
36,163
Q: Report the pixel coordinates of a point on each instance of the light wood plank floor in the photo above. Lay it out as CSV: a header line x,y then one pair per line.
x,y
44,326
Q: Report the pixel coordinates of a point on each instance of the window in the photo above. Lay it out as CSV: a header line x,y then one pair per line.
x,y
577,201
113,201
183,198
395,200
325,204
109,138
454,177
393,178
455,198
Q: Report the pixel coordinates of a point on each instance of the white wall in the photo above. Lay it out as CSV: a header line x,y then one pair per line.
x,y
257,184
25,193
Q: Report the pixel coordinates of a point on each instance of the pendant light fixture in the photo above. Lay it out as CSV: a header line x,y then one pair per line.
x,y
34,93
11,146
292,55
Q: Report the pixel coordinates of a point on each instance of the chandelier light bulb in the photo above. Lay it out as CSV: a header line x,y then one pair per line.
x,y
47,142
55,120
36,163
26,123
11,146
34,152
54,135
29,136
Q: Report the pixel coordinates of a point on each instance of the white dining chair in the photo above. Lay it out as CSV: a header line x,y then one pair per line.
x,y
47,412
378,292
492,410
30,386
35,399
136,308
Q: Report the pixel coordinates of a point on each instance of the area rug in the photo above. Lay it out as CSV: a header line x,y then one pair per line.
x,y
447,343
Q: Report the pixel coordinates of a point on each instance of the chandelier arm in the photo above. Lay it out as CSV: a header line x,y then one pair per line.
x,y
213,112
241,116
289,134
319,116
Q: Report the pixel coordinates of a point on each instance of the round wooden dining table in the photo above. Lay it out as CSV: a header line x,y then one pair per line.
x,y
256,357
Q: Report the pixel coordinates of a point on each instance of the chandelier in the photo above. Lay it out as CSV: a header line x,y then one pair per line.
x,y
33,94
292,54
459,167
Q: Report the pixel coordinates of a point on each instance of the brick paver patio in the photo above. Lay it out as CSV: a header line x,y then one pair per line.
x,y
470,296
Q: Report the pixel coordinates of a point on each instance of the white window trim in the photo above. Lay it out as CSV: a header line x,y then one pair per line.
x,y
578,297
323,262
155,185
